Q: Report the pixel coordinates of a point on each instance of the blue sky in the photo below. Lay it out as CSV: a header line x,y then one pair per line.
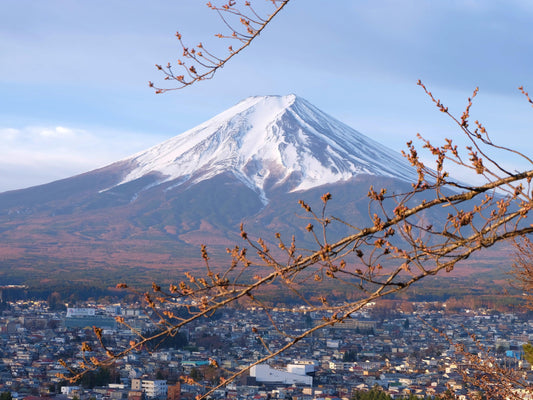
x,y
73,73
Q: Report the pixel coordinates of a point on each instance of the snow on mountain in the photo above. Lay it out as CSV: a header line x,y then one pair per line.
x,y
266,142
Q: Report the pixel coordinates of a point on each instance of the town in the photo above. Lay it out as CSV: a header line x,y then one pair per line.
x,y
401,352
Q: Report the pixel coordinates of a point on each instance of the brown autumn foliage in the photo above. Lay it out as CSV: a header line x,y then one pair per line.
x,y
401,247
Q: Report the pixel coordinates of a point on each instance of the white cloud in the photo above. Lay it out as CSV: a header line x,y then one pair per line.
x,y
57,132
35,155
35,137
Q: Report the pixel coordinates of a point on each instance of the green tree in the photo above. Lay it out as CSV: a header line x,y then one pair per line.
x,y
55,303
373,394
196,374
350,356
528,352
6,396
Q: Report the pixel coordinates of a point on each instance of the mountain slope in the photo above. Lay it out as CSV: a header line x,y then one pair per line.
x,y
248,164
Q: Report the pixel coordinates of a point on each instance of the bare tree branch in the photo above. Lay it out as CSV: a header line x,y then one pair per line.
x,y
198,63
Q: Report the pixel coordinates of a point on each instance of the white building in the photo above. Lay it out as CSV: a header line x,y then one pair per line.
x,y
264,373
114,309
80,312
151,388
70,391
301,368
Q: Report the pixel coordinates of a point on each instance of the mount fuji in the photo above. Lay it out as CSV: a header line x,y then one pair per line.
x,y
268,142
249,164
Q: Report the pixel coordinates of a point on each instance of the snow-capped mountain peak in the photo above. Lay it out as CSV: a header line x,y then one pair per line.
x,y
268,141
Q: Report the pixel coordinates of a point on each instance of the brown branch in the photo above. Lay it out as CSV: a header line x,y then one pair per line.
x,y
210,70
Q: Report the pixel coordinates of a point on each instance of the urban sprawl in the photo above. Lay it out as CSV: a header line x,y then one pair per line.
x,y
402,353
